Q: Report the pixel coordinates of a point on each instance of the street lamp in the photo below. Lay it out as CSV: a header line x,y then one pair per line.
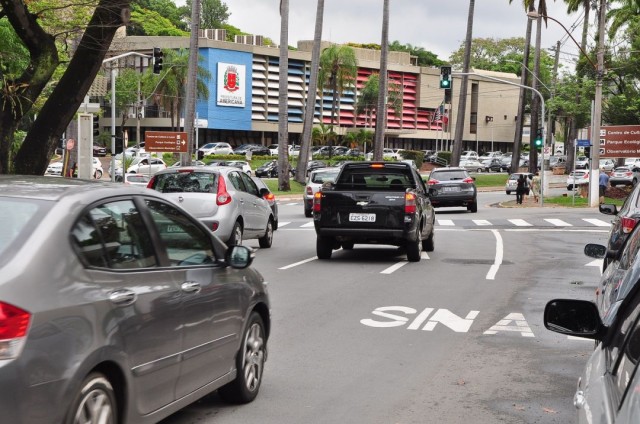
x,y
597,113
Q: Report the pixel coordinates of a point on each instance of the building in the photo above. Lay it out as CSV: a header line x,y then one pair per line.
x,y
247,111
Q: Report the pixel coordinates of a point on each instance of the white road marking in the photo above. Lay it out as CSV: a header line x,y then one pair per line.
x,y
558,222
597,222
579,338
520,223
481,222
447,222
425,255
282,224
292,204
308,224
394,267
299,263
491,275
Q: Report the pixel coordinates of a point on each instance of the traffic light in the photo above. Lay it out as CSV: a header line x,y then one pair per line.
x,y
157,60
96,126
539,140
445,77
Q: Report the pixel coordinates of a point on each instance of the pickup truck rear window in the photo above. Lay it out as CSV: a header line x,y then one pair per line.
x,y
392,180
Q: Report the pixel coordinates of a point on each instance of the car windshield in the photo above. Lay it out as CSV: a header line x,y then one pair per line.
x,y
19,218
192,181
452,175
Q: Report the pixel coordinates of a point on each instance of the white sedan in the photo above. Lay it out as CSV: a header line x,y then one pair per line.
x,y
146,165
472,165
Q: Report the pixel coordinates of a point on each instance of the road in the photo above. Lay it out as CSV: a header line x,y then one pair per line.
x,y
458,337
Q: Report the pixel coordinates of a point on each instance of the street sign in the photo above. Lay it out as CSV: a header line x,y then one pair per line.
x,y
583,143
165,141
620,141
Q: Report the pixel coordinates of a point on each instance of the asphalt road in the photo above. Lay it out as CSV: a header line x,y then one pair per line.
x,y
367,337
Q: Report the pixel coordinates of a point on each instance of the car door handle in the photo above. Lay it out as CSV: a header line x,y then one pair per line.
x,y
579,400
122,297
190,287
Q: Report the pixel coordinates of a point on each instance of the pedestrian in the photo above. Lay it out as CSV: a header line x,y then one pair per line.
x,y
603,183
520,188
527,187
535,186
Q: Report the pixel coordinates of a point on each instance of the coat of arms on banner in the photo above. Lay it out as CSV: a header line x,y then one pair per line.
x,y
231,79
231,87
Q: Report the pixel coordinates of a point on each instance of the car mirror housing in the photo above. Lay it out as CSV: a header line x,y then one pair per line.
x,y
608,209
579,318
239,256
593,250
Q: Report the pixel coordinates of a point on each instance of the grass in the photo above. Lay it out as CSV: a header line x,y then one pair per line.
x,y
491,180
578,202
272,183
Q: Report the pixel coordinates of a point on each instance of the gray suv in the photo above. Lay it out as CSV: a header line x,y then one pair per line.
x,y
116,306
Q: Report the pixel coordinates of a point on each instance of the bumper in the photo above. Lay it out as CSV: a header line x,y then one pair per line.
x,y
456,200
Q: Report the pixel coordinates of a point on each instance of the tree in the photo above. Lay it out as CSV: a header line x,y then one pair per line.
x,y
213,14
425,58
152,23
381,108
20,91
323,135
310,106
628,10
338,67
491,54
366,102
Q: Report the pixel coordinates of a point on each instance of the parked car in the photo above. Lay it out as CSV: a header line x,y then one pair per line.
x,y
146,165
469,155
240,164
224,198
268,169
582,162
134,179
270,198
621,175
607,165
314,182
126,284
193,163
576,178
608,391
512,181
623,222
254,149
471,165
492,164
354,153
99,150
273,149
215,149
54,168
452,187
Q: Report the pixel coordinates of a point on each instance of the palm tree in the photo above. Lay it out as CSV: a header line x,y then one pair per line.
x,y
323,135
381,110
628,9
462,102
338,67
283,121
312,92
366,102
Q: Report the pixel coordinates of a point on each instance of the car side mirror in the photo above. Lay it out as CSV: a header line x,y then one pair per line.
x,y
239,256
608,209
572,317
593,250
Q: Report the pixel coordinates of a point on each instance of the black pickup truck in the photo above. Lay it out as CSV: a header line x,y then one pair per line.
x,y
374,203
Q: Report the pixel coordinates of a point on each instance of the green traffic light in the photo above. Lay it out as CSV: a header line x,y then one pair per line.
x,y
444,83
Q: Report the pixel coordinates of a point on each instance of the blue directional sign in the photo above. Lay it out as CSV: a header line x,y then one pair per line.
x,y
583,143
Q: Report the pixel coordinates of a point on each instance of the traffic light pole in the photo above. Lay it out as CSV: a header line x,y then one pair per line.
x,y
543,123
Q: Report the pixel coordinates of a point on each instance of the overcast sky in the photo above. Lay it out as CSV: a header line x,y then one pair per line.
x,y
438,26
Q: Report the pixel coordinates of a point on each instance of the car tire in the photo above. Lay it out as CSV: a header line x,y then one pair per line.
x,y
98,174
569,188
479,170
508,192
308,213
324,247
94,390
347,245
473,207
428,244
266,240
414,248
250,361
236,235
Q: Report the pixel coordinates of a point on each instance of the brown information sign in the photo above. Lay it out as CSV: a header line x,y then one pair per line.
x,y
165,141
620,141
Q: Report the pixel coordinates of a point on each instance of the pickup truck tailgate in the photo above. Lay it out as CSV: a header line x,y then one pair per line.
x,y
362,209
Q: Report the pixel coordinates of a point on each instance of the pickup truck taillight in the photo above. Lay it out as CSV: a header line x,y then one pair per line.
x,y
316,201
222,197
409,203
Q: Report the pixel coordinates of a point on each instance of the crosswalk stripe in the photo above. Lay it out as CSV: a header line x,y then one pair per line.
x,y
445,222
308,224
282,224
481,222
597,222
520,223
558,222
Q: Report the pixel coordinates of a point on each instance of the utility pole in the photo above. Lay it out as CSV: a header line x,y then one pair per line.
x,y
597,110
192,79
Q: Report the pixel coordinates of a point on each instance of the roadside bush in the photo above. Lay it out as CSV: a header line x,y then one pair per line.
x,y
415,155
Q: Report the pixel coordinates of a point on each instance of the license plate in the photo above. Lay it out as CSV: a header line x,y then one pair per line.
x,y
449,189
362,217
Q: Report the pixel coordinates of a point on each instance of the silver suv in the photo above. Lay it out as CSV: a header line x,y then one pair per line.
x,y
225,199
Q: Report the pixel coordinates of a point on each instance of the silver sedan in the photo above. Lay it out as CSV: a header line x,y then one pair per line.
x,y
116,306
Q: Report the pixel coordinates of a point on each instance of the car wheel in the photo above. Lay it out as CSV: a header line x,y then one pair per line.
x,y
236,234
428,245
249,363
479,169
308,213
473,207
347,245
324,246
266,240
96,402
414,248
508,192
98,174
569,188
